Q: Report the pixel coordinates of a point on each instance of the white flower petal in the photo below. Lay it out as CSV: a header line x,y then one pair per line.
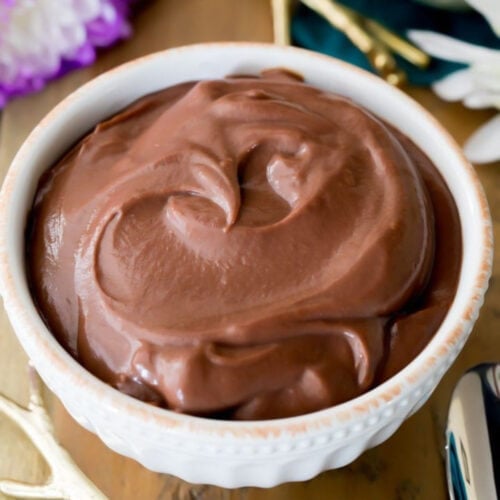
x,y
455,86
7,70
41,32
482,99
490,9
87,9
487,76
484,145
451,49
108,12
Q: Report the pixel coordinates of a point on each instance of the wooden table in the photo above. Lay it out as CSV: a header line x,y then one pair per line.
x,y
408,466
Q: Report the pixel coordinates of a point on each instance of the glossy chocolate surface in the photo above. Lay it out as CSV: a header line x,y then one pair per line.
x,y
245,248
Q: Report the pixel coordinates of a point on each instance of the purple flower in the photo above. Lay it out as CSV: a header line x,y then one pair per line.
x,y
43,39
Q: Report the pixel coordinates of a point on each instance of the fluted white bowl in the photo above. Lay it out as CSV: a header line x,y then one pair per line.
x,y
226,453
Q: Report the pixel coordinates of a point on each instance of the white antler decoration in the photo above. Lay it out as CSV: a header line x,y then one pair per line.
x,y
66,481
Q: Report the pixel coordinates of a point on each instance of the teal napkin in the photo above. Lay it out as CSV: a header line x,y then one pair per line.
x,y
311,31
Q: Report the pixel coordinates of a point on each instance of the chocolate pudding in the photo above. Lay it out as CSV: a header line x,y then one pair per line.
x,y
244,248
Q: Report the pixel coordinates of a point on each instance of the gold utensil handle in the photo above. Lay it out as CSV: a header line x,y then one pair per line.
x,y
368,35
281,21
397,44
348,23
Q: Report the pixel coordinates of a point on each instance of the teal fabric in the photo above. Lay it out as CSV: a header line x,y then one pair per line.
x,y
311,31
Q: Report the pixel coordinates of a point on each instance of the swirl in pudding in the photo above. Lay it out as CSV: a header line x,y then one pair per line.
x,y
244,248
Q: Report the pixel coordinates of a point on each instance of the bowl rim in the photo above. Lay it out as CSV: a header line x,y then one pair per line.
x,y
385,393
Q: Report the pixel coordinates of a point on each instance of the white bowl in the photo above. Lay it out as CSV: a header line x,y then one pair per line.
x,y
225,453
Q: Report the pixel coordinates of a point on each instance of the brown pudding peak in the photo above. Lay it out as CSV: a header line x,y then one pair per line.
x,y
245,248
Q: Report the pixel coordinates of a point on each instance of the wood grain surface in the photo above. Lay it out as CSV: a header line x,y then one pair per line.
x,y
408,466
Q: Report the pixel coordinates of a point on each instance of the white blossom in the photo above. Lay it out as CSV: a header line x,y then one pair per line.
x,y
41,39
38,33
477,85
